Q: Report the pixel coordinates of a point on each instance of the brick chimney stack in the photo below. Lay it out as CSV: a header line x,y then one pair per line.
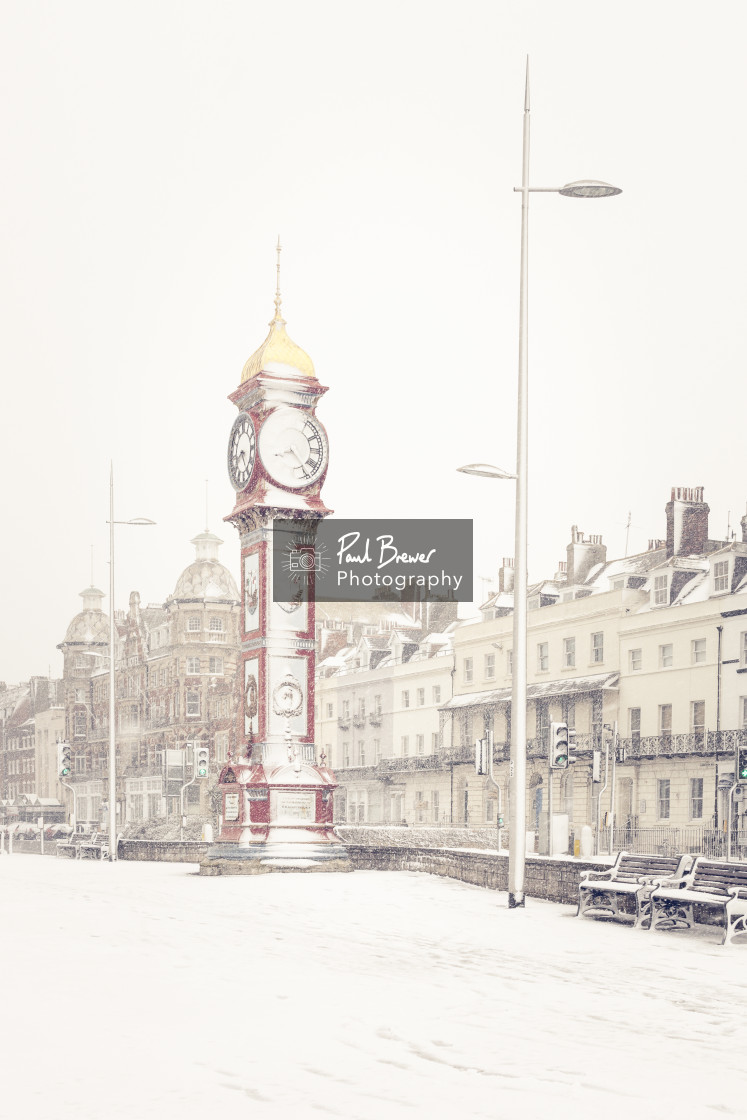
x,y
687,522
583,554
506,575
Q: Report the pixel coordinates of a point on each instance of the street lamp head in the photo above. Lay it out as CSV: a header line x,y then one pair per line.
x,y
140,521
485,470
589,188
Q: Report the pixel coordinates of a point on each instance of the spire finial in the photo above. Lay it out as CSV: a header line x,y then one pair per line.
x,y
526,89
207,522
278,301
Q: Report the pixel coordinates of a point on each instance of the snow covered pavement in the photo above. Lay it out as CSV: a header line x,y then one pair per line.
x,y
143,990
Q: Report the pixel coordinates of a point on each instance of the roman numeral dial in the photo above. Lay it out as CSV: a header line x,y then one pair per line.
x,y
293,448
242,451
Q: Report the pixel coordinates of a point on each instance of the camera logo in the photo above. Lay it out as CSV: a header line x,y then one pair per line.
x,y
304,560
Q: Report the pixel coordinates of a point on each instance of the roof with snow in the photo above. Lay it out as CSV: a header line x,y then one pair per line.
x,y
565,687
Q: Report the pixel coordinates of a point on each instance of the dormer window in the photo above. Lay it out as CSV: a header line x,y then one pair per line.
x,y
721,575
661,591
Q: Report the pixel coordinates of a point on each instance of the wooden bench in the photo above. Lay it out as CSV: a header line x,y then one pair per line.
x,y
710,884
632,877
71,846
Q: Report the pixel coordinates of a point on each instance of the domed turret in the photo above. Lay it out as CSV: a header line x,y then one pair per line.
x,y
206,577
90,626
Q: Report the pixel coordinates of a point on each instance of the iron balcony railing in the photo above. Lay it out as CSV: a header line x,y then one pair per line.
x,y
684,743
386,767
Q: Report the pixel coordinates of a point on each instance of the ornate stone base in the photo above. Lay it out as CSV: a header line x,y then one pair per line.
x,y
258,859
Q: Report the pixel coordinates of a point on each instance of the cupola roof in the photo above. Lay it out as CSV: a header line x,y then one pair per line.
x,y
206,577
278,353
90,625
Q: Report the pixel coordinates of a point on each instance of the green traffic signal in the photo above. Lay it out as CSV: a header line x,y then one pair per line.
x,y
558,746
742,766
202,760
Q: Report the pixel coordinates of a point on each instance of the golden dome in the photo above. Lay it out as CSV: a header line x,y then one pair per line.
x,y
278,354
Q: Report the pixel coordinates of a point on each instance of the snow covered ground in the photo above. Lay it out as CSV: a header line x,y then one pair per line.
x,y
142,990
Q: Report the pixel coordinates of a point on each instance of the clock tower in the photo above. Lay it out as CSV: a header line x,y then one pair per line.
x,y
276,797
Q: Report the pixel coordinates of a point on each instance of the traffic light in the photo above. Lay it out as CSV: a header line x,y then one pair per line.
x,y
64,759
559,746
742,765
202,758
481,756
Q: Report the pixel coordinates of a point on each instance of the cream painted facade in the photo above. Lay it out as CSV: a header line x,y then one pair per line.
x,y
50,728
573,668
683,693
645,659
381,729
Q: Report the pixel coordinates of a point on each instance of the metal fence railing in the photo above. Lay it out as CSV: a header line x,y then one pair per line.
x,y
664,840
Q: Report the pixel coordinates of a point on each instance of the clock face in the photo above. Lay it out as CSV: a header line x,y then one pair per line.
x,y
293,448
242,449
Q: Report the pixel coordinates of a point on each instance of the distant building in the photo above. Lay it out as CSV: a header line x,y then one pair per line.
x,y
175,669
21,706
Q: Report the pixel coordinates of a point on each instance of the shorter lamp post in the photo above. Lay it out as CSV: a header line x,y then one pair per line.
x,y
488,470
112,735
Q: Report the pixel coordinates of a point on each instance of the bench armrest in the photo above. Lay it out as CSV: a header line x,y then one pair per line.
x,y
737,892
678,883
659,880
597,875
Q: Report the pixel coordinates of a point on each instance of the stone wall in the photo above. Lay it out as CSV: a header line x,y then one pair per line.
x,y
401,836
164,851
554,879
373,849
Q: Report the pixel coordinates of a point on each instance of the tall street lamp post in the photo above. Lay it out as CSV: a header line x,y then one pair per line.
x,y
583,188
112,731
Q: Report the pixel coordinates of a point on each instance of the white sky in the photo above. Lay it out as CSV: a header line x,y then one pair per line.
x,y
367,995
153,151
